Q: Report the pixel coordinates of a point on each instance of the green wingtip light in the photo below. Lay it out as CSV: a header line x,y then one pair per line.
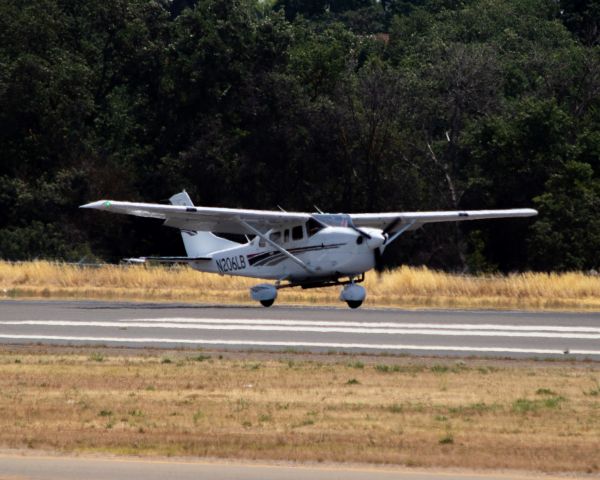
x,y
107,204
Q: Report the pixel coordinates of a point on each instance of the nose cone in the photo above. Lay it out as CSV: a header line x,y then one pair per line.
x,y
377,239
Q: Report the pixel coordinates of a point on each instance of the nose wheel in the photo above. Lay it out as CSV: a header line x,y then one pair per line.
x,y
353,295
267,303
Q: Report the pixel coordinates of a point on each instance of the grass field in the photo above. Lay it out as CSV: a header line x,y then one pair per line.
x,y
403,287
474,413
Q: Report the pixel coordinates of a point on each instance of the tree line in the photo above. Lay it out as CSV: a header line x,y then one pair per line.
x,y
349,105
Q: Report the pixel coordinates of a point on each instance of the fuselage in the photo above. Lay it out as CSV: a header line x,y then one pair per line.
x,y
331,252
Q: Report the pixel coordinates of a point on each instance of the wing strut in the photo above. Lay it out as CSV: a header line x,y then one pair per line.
x,y
277,247
398,233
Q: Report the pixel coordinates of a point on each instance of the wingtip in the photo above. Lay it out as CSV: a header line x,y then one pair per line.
x,y
100,204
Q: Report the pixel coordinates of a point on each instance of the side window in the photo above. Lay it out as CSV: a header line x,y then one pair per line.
x,y
286,235
275,237
297,233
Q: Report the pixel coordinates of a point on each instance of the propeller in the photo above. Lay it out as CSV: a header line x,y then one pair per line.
x,y
378,252
362,232
377,239
379,263
391,226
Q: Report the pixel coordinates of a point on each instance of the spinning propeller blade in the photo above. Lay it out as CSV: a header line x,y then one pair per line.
x,y
363,233
379,263
378,252
391,226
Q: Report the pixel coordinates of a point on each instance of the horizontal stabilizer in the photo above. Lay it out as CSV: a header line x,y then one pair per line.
x,y
166,259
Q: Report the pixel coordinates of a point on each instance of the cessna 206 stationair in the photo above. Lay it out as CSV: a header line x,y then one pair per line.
x,y
301,249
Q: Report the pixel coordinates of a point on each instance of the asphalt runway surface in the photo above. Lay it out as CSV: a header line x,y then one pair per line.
x,y
464,333
280,328
39,467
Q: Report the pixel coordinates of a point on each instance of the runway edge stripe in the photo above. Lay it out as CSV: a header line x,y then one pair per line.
x,y
97,340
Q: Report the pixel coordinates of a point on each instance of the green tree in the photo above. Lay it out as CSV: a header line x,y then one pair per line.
x,y
582,17
567,234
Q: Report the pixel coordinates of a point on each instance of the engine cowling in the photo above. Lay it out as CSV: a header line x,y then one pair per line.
x,y
354,295
264,293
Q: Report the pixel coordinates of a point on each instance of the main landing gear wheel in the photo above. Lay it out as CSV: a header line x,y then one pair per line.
x,y
264,293
354,303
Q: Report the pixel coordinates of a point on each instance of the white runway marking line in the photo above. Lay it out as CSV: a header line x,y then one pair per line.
x,y
252,321
485,330
259,343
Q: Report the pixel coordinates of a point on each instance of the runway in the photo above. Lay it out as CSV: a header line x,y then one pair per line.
x,y
39,467
393,331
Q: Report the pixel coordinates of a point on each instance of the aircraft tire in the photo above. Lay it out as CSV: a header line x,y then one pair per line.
x,y
267,303
354,303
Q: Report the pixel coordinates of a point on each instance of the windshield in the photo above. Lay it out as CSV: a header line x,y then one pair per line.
x,y
313,226
334,219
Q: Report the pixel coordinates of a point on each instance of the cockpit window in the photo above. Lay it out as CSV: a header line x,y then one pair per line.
x,y
312,227
275,237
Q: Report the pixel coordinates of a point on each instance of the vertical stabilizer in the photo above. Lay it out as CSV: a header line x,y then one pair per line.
x,y
199,244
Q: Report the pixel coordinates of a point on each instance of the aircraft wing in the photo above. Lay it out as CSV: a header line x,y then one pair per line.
x,y
395,221
222,220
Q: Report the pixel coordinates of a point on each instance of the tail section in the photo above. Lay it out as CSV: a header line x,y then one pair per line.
x,y
199,244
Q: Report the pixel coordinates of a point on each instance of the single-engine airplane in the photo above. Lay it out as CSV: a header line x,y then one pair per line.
x,y
306,250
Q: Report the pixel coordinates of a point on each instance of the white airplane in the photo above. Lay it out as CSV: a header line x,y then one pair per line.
x,y
302,249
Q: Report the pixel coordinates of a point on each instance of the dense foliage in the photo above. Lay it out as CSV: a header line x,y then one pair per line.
x,y
350,105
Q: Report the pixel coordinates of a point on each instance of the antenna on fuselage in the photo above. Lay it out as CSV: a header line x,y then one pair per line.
x,y
318,209
280,208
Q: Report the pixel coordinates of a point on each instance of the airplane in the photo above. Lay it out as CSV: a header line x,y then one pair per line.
x,y
294,249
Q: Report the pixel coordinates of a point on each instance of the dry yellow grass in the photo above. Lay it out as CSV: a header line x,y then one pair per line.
x,y
417,412
403,287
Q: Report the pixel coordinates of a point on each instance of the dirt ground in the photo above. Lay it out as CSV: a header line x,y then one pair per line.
x,y
412,411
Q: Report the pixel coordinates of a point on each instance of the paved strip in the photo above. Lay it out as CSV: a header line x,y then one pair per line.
x,y
210,324
246,321
514,334
318,345
30,467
